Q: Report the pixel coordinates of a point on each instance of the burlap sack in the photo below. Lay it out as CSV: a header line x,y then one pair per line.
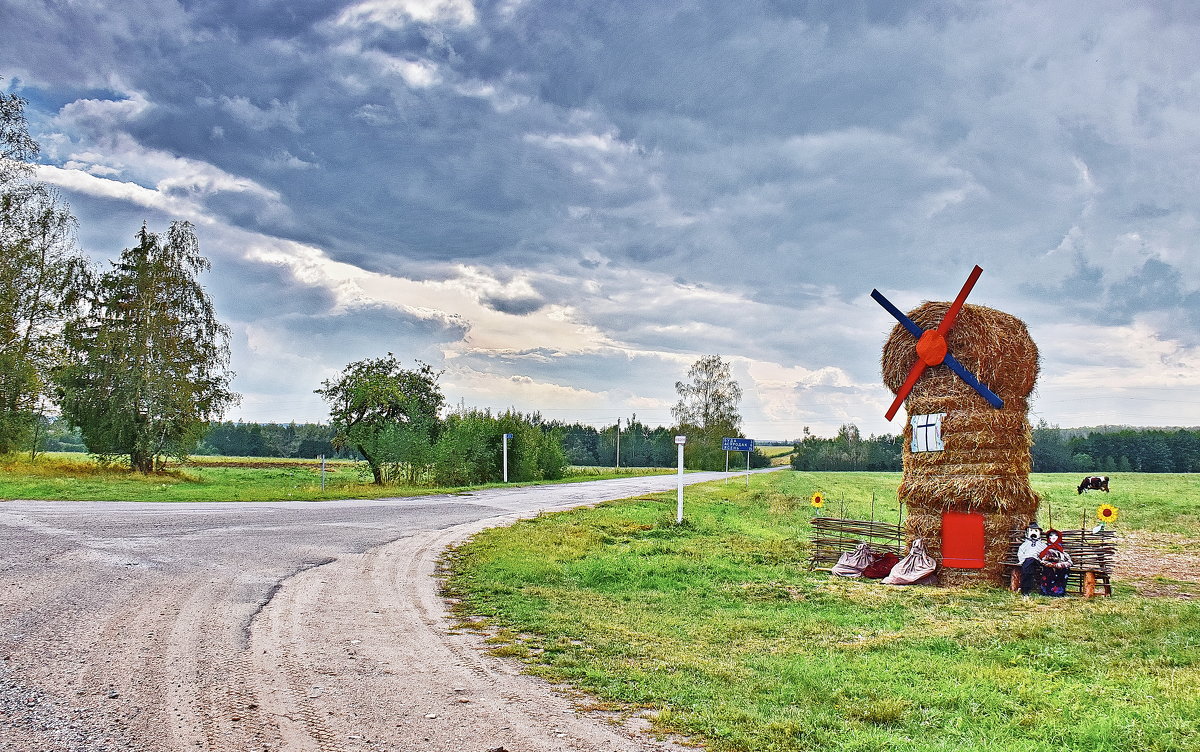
x,y
852,563
916,568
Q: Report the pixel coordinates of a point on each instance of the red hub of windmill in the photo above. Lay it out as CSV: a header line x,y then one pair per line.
x,y
932,349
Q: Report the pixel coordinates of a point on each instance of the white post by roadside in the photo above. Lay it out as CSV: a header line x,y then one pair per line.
x,y
507,436
679,442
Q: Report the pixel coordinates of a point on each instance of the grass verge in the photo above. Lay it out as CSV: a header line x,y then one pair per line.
x,y
75,477
718,627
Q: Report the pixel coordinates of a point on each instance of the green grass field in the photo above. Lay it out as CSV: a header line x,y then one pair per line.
x,y
779,455
75,477
719,629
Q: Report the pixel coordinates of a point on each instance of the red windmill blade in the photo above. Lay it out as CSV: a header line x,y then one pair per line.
x,y
932,349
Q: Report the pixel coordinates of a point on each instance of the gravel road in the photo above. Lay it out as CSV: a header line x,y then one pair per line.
x,y
268,626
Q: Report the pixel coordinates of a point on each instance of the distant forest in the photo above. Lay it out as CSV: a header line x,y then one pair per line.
x,y
300,440
1106,449
641,445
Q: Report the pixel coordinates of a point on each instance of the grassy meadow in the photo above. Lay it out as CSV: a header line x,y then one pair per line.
x,y
75,477
717,630
779,455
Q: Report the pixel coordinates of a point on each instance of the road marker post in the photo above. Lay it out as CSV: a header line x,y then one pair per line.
x,y
507,436
679,442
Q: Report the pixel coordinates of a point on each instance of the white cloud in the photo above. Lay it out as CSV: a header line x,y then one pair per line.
x,y
396,14
83,181
274,115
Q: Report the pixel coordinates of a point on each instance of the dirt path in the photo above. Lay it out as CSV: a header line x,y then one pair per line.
x,y
1159,565
387,673
289,627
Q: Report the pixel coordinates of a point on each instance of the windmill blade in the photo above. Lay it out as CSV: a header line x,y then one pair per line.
x,y
918,368
905,321
974,383
956,306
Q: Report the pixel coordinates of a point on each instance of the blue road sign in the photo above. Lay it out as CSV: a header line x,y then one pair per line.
x,y
737,445
508,435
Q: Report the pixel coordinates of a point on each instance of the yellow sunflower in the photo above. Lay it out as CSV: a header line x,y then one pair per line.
x,y
1106,513
817,500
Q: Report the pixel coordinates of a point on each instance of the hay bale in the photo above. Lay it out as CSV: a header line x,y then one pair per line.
x,y
926,523
986,462
993,345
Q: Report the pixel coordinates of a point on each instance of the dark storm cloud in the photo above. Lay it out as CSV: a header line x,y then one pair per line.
x,y
360,332
517,306
621,159
807,138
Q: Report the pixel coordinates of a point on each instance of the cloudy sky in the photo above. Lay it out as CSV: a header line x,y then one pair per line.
x,y
563,205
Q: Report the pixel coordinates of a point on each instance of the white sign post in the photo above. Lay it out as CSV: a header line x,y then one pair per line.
x,y
507,436
679,442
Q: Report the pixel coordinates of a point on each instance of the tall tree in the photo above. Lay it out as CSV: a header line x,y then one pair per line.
x,y
707,410
149,360
42,279
710,397
386,412
17,147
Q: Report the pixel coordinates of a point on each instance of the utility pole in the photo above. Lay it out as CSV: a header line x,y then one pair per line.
x,y
618,465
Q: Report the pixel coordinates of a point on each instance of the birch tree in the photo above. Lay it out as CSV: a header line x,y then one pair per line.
x,y
43,277
149,360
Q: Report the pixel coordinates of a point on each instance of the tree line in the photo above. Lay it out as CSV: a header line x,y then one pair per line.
x,y
848,450
390,416
640,446
1055,450
1145,450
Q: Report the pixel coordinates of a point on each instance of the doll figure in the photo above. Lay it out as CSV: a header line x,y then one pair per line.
x,y
1028,555
1055,566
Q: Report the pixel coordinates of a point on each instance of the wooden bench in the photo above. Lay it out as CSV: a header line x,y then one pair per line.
x,y
1092,556
833,536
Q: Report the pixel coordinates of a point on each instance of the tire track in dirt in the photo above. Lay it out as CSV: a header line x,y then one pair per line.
x,y
360,655
188,627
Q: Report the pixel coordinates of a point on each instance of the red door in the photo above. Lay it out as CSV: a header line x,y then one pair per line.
x,y
962,540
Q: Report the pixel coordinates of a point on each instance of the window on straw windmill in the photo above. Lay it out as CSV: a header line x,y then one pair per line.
x,y
927,433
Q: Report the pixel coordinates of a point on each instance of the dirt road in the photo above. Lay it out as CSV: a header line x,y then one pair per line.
x,y
267,626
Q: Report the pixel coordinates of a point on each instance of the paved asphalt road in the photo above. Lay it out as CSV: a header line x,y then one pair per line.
x,y
129,626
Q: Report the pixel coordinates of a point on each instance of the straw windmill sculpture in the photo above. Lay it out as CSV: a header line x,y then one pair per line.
x,y
965,373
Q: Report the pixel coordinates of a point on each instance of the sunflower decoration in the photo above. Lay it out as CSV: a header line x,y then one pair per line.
x,y
1106,513
817,500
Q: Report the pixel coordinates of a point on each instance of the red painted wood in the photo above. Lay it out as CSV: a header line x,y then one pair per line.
x,y
962,540
931,348
952,314
918,368
931,345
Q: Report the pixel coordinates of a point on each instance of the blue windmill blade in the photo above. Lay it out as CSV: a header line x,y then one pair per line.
x,y
905,321
974,383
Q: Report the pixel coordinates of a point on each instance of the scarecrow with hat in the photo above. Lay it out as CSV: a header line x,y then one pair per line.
x,y
1028,556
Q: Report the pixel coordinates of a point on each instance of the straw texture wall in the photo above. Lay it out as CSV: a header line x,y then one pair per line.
x,y
985,465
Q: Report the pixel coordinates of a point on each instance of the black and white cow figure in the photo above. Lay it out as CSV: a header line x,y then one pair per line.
x,y
1094,483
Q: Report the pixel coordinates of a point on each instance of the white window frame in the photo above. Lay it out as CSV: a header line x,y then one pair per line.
x,y
927,433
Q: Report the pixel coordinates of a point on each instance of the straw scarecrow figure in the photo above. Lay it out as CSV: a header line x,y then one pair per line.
x,y
965,373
